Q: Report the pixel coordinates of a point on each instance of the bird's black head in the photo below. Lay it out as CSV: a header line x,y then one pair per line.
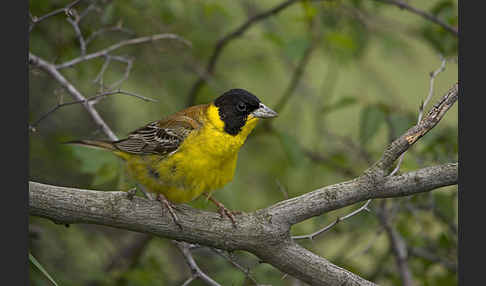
x,y
236,106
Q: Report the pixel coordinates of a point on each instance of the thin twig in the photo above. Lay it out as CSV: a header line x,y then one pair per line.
x,y
423,14
79,34
121,44
196,271
126,74
311,236
67,10
433,75
117,28
54,73
93,100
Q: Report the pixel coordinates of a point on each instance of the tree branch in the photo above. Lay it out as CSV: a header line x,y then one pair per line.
x,y
423,14
121,44
53,72
264,232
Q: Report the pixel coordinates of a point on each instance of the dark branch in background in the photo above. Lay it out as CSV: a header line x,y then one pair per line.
x,y
232,261
225,40
397,243
129,254
423,14
297,75
430,256
197,273
126,257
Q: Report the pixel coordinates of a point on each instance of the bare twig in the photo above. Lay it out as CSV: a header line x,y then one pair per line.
x,y
403,143
225,40
433,75
91,100
126,74
121,44
311,236
54,73
423,14
66,10
117,28
79,34
196,271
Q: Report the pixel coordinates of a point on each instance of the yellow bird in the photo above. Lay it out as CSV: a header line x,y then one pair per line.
x,y
193,151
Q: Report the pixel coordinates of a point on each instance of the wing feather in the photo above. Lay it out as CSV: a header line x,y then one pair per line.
x,y
162,137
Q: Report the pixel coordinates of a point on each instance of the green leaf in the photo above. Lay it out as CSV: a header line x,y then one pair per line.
x,y
292,148
39,266
372,117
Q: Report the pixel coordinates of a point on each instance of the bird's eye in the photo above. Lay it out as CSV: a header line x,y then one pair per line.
x,y
241,107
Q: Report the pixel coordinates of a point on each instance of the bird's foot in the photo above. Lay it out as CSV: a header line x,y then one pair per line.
x,y
170,208
222,210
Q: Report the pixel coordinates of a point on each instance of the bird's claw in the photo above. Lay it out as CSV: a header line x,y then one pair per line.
x,y
170,208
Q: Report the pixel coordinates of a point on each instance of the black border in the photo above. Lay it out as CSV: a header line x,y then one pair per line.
x,y
14,203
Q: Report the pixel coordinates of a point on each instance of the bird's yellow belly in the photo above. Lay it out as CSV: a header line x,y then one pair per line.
x,y
203,163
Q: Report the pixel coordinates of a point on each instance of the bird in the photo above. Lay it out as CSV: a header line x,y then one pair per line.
x,y
191,152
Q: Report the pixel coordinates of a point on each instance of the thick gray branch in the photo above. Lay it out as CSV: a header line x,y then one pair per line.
x,y
265,232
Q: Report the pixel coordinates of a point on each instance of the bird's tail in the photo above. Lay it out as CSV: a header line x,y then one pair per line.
x,y
99,144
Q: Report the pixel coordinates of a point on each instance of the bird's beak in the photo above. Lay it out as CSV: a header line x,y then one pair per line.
x,y
264,111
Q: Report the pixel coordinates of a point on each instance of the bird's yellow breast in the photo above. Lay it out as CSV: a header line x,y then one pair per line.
x,y
204,162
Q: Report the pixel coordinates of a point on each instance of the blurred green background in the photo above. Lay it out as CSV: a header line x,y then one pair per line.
x,y
366,72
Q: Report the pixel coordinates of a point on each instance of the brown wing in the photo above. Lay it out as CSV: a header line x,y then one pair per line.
x,y
163,137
